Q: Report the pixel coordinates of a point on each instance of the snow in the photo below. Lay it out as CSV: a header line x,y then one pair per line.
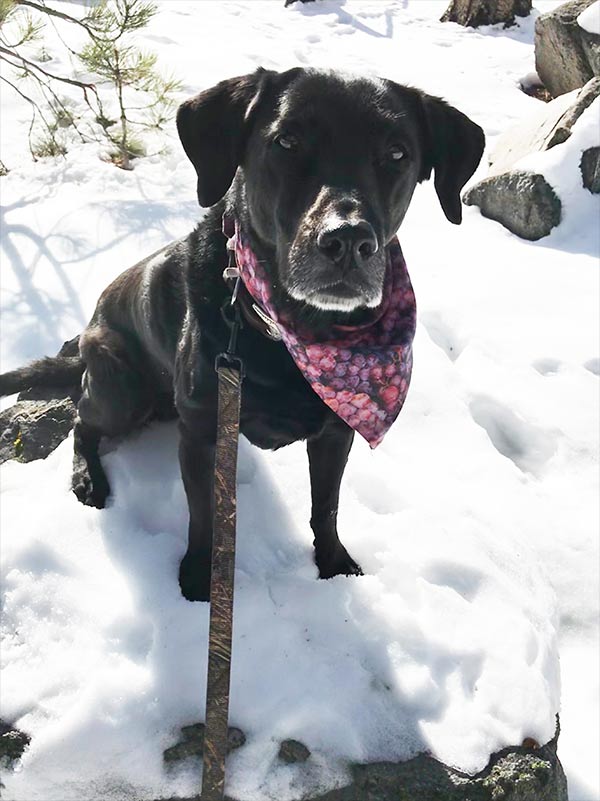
x,y
475,521
589,19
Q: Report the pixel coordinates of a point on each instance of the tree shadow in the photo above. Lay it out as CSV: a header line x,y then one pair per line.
x,y
321,7
36,313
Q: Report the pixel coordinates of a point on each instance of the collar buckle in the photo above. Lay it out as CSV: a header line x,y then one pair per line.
x,y
231,273
272,329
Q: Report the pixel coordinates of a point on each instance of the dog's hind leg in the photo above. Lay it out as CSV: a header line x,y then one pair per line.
x,y
89,481
115,399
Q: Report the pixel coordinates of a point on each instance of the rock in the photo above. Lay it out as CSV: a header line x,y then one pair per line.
x,y
523,202
474,13
12,743
514,774
590,169
583,99
33,427
192,743
566,55
530,134
292,751
513,777
40,420
549,125
517,774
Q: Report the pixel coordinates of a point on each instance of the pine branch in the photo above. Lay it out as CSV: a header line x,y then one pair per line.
x,y
52,12
29,33
108,56
26,65
60,78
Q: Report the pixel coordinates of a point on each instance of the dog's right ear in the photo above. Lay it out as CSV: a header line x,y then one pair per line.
x,y
213,128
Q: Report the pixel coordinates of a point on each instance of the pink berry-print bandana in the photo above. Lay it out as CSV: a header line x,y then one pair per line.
x,y
361,372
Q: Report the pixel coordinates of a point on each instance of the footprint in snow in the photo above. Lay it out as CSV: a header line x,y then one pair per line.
x,y
160,39
380,496
593,365
442,334
547,366
463,580
528,446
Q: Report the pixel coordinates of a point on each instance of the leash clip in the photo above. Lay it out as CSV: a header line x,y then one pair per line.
x,y
231,315
232,362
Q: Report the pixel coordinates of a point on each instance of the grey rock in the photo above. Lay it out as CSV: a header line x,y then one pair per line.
x,y
584,98
526,773
566,55
530,134
12,743
551,124
590,169
292,751
191,743
523,202
35,425
474,13
40,420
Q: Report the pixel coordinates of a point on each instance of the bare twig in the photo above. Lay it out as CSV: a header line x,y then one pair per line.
x,y
34,109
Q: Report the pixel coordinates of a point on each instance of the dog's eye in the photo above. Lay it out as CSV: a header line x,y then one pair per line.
x,y
396,153
287,141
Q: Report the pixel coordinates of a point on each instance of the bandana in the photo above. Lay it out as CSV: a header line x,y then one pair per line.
x,y
362,372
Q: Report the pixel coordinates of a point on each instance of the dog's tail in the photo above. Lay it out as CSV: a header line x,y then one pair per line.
x,y
63,370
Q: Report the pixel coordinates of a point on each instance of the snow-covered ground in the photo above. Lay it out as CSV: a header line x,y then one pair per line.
x,y
475,521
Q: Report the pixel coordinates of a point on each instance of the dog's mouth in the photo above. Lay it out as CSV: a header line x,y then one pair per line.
x,y
342,296
308,278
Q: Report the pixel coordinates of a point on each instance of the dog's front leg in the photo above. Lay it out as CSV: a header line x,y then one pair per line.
x,y
197,407
327,456
197,460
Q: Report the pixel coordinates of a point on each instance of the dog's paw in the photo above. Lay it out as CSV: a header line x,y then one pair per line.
x,y
337,563
90,491
194,576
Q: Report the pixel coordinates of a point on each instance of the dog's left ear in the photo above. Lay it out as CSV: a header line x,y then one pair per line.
x,y
453,148
213,128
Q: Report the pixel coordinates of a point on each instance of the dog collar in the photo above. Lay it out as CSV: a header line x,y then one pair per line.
x,y
361,372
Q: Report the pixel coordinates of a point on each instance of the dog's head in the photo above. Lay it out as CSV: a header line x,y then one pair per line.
x,y
327,168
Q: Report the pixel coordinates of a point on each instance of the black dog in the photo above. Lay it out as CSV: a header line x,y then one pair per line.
x,y
319,169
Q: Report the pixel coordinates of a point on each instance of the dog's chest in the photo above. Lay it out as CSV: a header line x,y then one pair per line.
x,y
280,413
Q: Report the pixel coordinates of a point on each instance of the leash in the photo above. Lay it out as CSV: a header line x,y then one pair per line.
x,y
230,374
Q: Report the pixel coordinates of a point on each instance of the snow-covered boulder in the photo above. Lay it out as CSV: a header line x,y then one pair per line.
x,y
523,199
526,773
567,55
551,124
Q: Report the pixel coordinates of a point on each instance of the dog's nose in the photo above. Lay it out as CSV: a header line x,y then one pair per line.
x,y
351,243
